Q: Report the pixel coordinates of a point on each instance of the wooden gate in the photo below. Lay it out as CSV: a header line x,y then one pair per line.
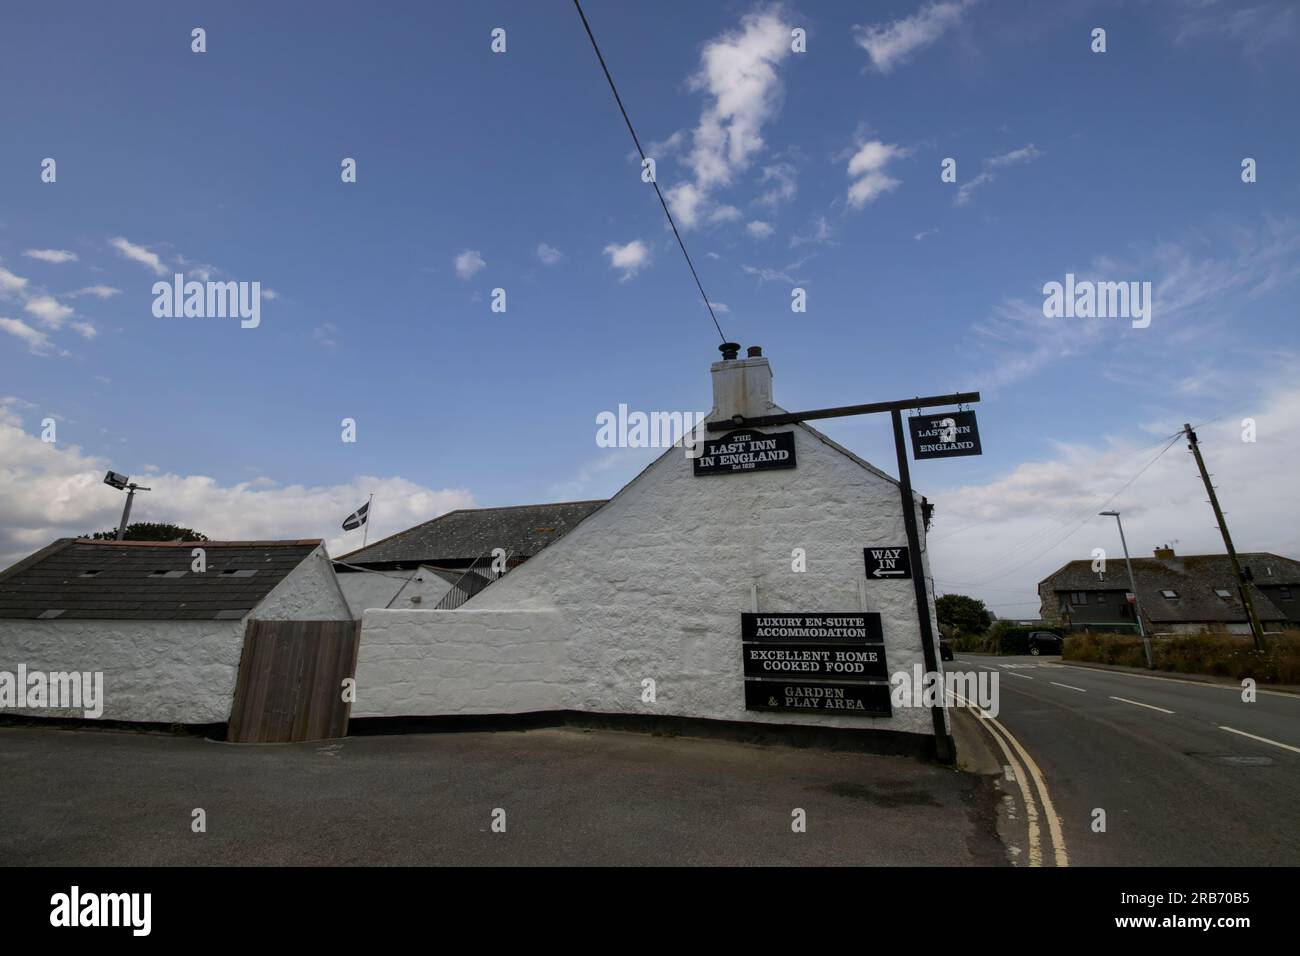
x,y
290,683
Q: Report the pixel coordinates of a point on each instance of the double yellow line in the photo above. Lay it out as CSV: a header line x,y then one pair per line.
x,y
1019,761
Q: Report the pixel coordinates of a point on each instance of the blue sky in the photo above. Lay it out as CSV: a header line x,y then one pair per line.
x,y
1123,165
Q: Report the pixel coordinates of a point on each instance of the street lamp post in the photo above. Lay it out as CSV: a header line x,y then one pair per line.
x,y
1132,582
124,483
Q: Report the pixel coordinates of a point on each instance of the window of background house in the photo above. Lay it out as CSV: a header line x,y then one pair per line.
x,y
1169,594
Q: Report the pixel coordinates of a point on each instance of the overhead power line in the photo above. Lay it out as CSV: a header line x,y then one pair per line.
x,y
653,182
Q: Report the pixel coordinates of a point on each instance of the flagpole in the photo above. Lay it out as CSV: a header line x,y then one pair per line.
x,y
366,535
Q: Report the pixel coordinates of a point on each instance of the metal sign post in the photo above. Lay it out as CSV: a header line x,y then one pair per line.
x,y
945,749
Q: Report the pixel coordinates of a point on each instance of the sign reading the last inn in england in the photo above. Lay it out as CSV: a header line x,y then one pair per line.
x,y
745,450
945,435
829,662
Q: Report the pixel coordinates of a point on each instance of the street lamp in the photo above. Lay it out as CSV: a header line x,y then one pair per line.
x,y
1132,582
124,483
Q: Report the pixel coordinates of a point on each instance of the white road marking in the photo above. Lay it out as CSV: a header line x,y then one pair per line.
x,y
1068,686
1140,704
1263,740
1014,674
1236,688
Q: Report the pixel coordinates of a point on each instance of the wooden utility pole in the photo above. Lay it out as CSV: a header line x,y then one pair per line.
x,y
1243,586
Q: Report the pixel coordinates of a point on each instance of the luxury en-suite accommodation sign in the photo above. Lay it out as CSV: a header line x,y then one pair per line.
x,y
815,661
946,435
745,450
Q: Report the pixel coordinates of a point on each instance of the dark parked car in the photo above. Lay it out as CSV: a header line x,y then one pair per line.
x,y
945,649
1045,642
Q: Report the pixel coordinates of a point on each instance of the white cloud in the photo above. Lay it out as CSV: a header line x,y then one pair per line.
x,y
51,255
684,200
720,307
139,254
893,44
738,74
48,310
1203,289
867,170
326,335
270,295
725,214
99,291
997,540
56,491
37,341
925,234
820,234
1025,154
630,258
85,330
783,184
548,254
788,274
468,263
759,229
10,282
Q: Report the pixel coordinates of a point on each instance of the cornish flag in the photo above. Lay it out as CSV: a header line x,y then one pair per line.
x,y
357,518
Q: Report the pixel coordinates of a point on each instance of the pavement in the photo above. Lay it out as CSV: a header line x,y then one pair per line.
x,y
569,796
1185,772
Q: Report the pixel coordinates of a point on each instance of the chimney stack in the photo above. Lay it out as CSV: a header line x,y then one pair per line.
x,y
741,386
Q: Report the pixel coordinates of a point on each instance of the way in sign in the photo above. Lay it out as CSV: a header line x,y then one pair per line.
x,y
888,563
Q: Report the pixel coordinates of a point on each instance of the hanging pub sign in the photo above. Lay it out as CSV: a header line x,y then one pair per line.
x,y
745,450
888,563
815,661
945,435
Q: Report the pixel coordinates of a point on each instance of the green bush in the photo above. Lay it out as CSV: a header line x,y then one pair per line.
x,y
1213,654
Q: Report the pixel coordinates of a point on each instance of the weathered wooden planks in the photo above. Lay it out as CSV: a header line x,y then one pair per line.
x,y
290,684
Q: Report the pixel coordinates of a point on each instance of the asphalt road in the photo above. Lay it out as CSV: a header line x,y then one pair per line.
x,y
1177,787
570,797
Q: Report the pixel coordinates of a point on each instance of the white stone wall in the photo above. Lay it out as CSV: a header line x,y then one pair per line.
x,y
448,662
652,586
165,671
310,592
366,589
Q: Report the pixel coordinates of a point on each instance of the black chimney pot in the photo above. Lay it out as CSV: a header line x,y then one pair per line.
x,y
754,351
729,350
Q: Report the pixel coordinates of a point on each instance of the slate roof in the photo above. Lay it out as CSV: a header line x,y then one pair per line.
x,y
1194,578
127,587
468,534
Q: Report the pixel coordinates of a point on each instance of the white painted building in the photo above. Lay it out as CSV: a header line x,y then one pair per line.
x,y
651,587
166,637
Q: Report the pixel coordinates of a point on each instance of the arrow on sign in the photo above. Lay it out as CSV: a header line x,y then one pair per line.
x,y
879,573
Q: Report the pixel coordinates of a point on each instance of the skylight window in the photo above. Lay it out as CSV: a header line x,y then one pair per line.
x,y
1223,593
166,574
88,574
1169,594
238,573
